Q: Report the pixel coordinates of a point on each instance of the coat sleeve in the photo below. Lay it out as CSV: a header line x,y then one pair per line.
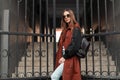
x,y
74,45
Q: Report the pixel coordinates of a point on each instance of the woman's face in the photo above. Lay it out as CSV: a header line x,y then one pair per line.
x,y
66,16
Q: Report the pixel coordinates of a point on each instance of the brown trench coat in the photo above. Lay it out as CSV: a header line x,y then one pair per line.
x,y
71,70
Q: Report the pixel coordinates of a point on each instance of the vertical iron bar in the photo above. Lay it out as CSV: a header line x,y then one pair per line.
x,y
9,37
116,62
114,25
77,14
106,41
25,36
54,27
98,7
17,25
91,6
106,22
46,19
33,26
77,10
40,14
85,29
47,32
113,2
85,14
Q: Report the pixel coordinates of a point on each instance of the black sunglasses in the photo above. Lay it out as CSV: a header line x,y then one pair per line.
x,y
68,15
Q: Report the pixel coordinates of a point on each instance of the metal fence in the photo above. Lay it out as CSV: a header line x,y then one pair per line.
x,y
28,37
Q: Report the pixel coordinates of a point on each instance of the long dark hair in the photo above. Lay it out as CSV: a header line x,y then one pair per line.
x,y
72,16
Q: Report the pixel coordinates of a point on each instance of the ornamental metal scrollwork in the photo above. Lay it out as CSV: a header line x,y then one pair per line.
x,y
83,72
90,73
37,74
112,73
29,52
4,53
29,74
105,73
21,75
43,53
37,53
44,73
97,73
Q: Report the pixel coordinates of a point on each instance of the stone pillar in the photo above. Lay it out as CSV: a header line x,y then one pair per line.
x,y
4,45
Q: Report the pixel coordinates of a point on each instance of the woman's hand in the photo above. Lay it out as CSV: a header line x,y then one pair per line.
x,y
61,60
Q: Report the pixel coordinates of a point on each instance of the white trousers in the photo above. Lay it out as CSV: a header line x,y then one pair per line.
x,y
58,72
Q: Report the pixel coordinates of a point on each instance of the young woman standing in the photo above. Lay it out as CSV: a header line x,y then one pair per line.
x,y
67,64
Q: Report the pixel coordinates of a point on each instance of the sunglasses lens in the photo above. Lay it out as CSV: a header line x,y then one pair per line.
x,y
68,15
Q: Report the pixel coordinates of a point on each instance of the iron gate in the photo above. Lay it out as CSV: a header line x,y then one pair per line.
x,y
28,37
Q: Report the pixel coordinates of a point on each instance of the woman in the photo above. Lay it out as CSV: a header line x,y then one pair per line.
x,y
68,64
